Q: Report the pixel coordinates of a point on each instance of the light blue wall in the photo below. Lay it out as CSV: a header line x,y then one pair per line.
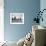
x,y
29,8
43,6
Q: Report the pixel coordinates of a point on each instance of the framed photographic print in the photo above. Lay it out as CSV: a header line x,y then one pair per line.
x,y
16,18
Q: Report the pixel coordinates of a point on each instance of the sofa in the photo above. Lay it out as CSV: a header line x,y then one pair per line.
x,y
39,37
39,33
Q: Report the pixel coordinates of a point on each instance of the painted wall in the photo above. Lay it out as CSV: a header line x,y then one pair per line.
x,y
43,6
29,8
1,20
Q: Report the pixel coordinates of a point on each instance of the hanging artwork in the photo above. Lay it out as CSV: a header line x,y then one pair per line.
x,y
16,18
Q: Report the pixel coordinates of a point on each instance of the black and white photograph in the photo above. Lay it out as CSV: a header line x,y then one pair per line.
x,y
16,18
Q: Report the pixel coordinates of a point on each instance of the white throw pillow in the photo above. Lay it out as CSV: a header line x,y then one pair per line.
x,y
21,42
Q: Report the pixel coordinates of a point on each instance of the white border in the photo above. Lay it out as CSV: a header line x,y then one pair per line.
x,y
19,14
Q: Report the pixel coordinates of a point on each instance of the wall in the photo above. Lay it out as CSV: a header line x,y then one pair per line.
x,y
29,8
43,6
1,20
